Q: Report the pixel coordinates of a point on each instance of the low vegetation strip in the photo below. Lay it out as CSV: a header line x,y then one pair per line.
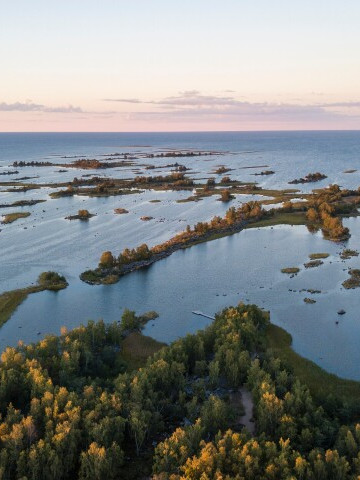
x,y
12,217
9,301
290,270
320,383
318,256
137,348
321,210
280,218
313,263
21,203
130,260
309,178
354,280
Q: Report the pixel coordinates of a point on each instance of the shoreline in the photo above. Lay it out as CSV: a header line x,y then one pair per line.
x,y
137,265
278,340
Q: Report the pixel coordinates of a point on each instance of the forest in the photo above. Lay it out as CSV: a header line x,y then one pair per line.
x,y
72,407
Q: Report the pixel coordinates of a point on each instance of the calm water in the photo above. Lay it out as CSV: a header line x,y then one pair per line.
x,y
290,154
208,277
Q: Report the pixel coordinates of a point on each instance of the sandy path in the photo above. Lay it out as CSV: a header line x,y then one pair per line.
x,y
248,404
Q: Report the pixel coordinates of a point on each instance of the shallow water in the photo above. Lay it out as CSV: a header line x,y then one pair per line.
x,y
211,276
208,277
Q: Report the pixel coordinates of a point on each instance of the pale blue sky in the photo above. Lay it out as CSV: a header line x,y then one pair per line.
x,y
243,64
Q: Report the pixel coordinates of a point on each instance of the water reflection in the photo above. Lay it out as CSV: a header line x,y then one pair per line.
x,y
211,276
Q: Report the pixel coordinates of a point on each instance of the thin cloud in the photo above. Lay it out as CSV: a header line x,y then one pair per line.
x,y
245,110
20,107
36,107
186,98
190,93
342,104
68,109
251,115
193,104
124,100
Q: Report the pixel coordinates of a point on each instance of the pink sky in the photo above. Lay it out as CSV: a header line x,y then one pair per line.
x,y
167,66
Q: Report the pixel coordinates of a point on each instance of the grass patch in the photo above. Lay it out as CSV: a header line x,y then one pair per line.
x,y
354,280
348,253
355,272
137,348
318,256
110,279
192,198
309,300
313,263
147,316
240,188
290,270
214,236
12,217
319,382
91,276
21,203
293,218
280,219
9,301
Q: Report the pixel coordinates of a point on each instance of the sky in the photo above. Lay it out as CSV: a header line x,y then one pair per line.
x,y
189,65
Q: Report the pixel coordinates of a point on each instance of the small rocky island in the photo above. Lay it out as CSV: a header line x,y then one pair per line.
x,y
265,172
310,178
354,280
120,211
81,215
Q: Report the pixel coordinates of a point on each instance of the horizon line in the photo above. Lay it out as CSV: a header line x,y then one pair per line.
x,y
185,131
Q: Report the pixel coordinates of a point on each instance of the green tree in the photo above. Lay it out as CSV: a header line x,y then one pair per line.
x,y
129,320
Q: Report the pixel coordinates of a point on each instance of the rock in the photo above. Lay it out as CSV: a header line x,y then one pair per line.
x,y
309,300
120,211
